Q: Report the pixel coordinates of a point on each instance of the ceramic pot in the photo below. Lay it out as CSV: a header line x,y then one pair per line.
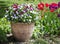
x,y
22,31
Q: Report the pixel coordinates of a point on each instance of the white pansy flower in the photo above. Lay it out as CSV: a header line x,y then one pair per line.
x,y
14,8
36,17
7,11
12,17
38,25
30,16
30,20
16,17
21,7
6,15
24,11
33,12
25,17
18,6
22,15
17,12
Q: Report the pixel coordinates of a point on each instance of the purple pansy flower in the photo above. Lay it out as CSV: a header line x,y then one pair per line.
x,y
58,15
31,9
56,7
53,6
25,10
58,4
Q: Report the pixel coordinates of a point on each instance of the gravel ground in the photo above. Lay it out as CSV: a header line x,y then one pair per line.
x,y
41,40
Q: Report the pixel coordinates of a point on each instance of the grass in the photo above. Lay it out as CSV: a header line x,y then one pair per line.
x,y
9,2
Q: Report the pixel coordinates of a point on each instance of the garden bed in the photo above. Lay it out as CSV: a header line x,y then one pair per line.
x,y
41,40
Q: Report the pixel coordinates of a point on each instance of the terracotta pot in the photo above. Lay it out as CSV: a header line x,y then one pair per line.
x,y
22,31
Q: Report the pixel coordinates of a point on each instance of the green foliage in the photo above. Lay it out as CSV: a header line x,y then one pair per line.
x,y
3,37
5,25
3,5
4,29
48,25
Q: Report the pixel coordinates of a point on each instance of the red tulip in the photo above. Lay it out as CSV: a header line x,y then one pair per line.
x,y
47,5
40,6
52,10
54,4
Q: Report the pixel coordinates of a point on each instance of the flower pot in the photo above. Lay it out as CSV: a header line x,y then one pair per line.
x,y
22,31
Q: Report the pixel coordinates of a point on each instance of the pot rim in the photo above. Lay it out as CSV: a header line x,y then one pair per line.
x,y
21,23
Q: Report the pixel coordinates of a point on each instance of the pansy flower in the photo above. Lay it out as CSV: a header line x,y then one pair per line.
x,y
15,7
58,15
53,6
